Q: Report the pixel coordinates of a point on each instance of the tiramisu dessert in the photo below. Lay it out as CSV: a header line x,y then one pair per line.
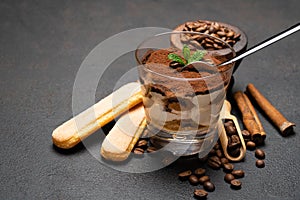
x,y
182,100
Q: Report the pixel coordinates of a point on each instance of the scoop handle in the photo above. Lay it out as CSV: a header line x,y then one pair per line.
x,y
265,43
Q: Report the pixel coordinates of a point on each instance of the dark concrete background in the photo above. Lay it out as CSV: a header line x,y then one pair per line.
x,y
42,44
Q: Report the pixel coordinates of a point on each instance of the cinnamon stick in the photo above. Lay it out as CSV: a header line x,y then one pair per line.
x,y
285,126
262,136
250,118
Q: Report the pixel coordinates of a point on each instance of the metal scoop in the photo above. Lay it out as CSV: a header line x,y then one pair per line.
x,y
256,48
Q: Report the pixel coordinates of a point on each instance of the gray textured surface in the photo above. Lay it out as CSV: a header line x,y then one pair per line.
x,y
42,44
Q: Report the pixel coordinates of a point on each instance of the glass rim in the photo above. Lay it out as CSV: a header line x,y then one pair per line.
x,y
179,78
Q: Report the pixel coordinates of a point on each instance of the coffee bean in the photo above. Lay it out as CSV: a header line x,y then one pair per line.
x,y
228,123
235,139
199,172
234,152
230,130
151,149
142,143
217,146
184,175
246,134
138,151
219,153
203,179
260,154
235,184
250,145
209,186
214,162
260,163
224,161
228,167
228,178
200,194
238,173
212,152
193,180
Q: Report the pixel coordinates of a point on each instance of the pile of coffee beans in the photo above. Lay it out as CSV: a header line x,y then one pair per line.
x,y
214,29
215,160
143,146
234,142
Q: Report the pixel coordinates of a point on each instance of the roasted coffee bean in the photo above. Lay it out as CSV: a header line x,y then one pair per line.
x,y
260,163
214,162
219,153
230,130
138,151
250,145
238,173
235,139
184,175
234,152
224,161
235,184
217,146
193,179
204,179
203,159
228,167
151,149
209,186
142,143
260,154
212,152
246,134
200,194
199,172
228,123
228,178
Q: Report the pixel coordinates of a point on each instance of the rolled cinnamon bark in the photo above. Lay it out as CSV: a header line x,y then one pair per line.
x,y
285,126
250,118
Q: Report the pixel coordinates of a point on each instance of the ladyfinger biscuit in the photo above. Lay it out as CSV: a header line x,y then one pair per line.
x,y
84,124
123,136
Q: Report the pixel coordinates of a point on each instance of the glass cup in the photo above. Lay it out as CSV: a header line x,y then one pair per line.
x,y
183,90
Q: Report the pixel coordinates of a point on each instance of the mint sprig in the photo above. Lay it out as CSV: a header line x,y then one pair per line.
x,y
196,56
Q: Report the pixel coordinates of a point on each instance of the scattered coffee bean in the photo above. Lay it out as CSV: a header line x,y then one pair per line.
x,y
228,178
193,179
235,184
200,194
212,152
238,173
217,146
246,134
203,179
138,151
260,163
214,162
199,172
151,149
184,175
260,154
142,143
224,161
219,153
250,145
228,123
209,186
228,167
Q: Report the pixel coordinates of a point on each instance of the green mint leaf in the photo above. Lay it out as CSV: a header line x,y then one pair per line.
x,y
198,55
176,58
186,52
